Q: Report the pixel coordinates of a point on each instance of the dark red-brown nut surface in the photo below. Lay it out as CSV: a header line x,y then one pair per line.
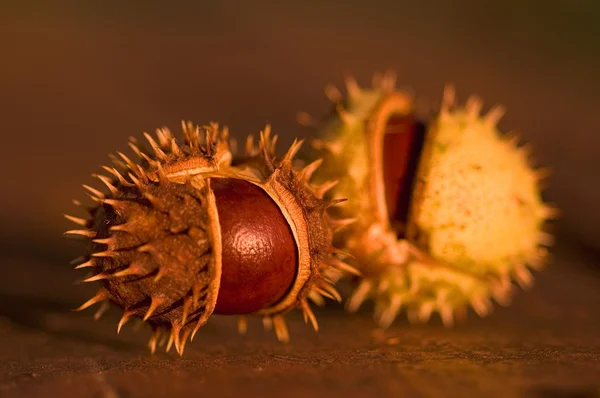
x,y
402,143
259,252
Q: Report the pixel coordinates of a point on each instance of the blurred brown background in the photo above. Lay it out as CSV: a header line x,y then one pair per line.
x,y
78,78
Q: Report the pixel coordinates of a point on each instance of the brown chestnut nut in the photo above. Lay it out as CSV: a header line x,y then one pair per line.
x,y
259,252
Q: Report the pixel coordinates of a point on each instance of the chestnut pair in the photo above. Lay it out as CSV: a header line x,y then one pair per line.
x,y
426,216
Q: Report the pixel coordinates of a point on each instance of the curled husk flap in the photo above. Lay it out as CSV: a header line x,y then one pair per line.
x,y
155,238
474,219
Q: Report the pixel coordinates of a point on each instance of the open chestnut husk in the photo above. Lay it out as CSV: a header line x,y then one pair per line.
x,y
449,210
194,228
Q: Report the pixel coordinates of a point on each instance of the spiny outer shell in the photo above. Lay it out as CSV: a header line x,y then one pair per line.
x,y
150,196
158,243
168,251
433,272
351,145
476,202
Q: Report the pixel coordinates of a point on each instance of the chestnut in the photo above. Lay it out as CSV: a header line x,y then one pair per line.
x,y
449,210
195,229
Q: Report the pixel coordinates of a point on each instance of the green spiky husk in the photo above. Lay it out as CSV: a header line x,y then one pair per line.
x,y
476,214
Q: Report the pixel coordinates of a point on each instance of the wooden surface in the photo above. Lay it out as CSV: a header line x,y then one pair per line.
x,y
546,344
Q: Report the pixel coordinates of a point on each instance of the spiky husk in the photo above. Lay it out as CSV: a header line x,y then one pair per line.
x,y
448,260
156,243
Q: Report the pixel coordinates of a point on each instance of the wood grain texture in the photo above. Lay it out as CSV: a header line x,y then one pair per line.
x,y
546,344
